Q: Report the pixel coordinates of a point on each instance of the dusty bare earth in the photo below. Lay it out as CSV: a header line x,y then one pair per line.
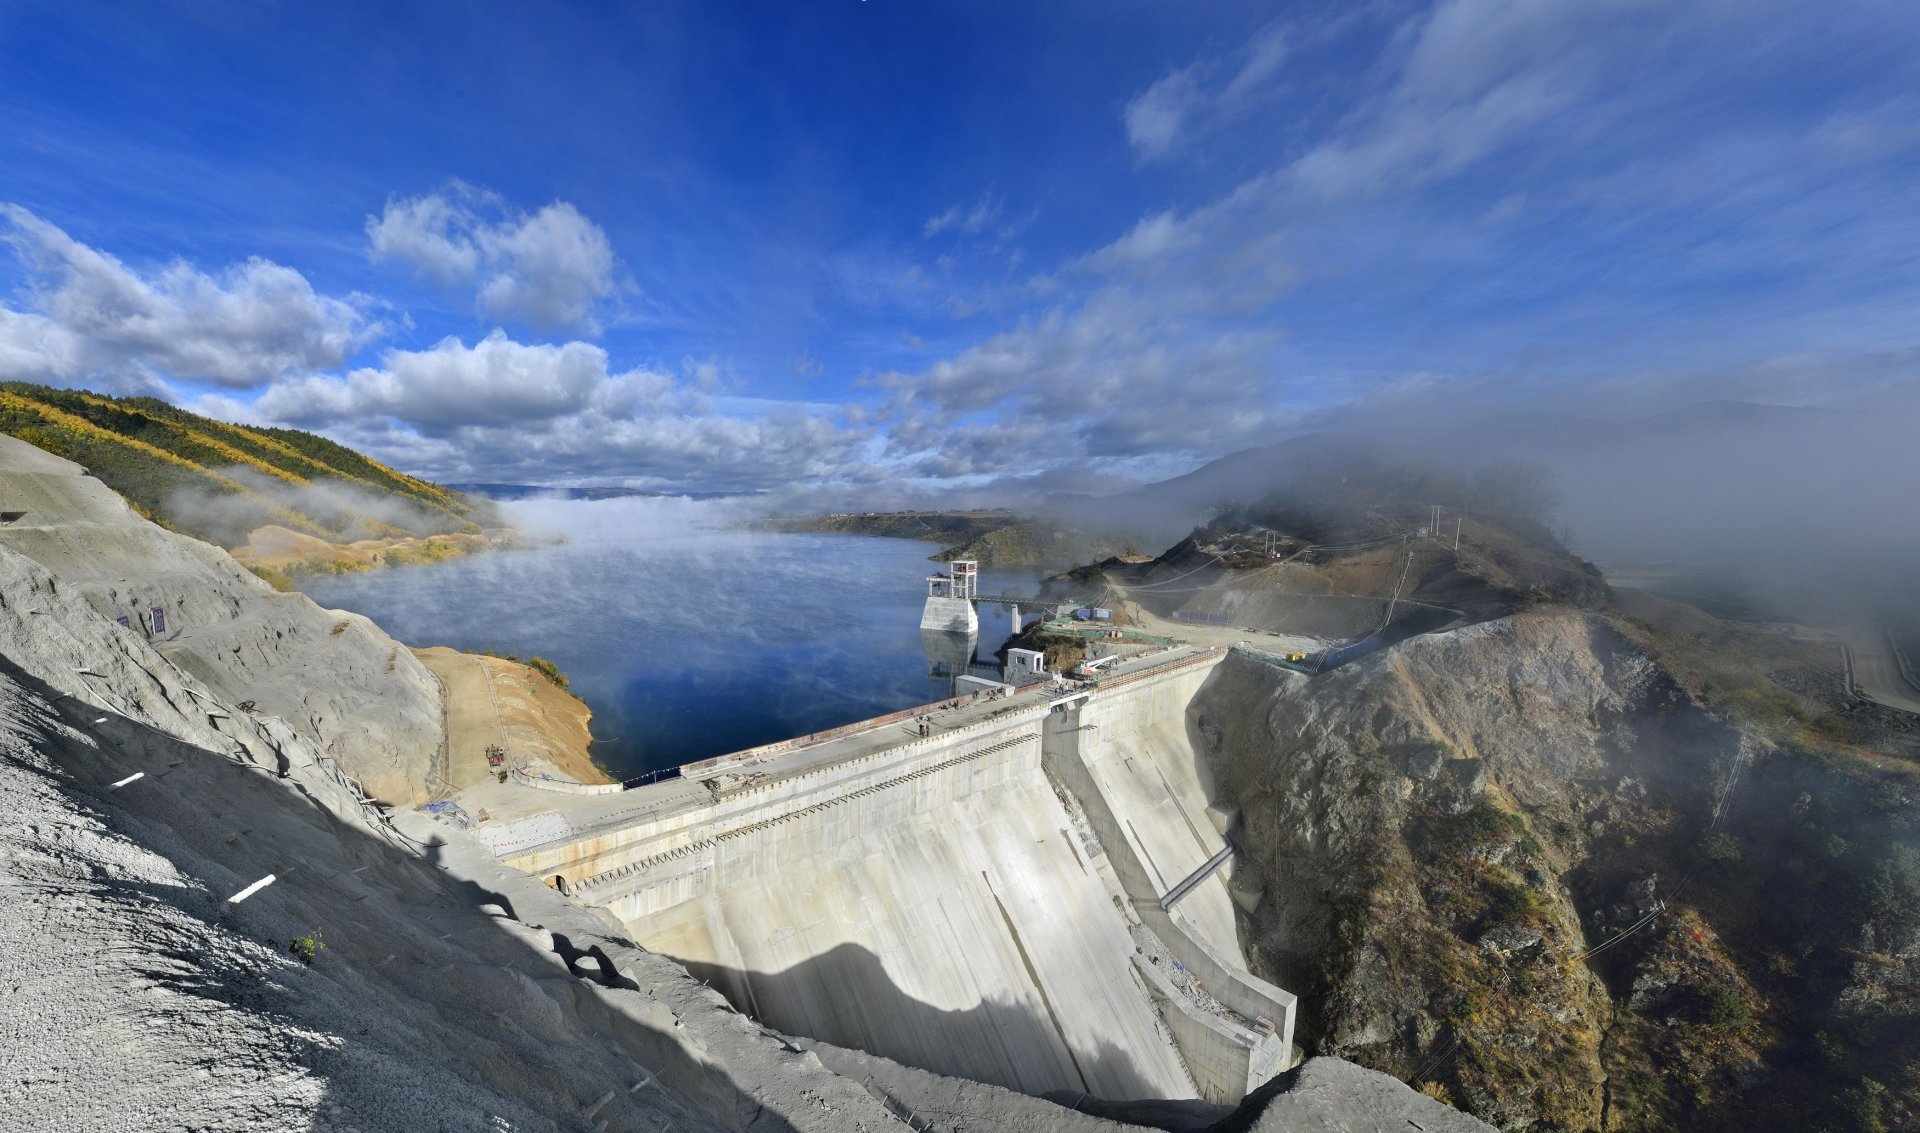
x,y
280,550
491,700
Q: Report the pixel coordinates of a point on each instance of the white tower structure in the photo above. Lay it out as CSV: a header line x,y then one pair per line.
x,y
950,596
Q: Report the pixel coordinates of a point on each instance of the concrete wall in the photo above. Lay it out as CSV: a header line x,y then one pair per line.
x,y
949,615
564,786
930,908
1110,750
939,901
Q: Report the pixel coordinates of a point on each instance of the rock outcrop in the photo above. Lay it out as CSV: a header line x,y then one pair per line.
x,y
1505,863
1417,826
331,676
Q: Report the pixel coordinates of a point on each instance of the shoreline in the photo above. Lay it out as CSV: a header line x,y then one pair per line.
x,y
286,558
494,702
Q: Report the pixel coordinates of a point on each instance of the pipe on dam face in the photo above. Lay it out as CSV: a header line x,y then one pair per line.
x,y
1193,879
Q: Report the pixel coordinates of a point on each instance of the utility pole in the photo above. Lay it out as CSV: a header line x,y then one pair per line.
x,y
1458,520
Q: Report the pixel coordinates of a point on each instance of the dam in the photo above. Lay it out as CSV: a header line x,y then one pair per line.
x,y
1032,890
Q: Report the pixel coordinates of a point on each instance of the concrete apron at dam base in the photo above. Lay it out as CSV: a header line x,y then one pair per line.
x,y
985,902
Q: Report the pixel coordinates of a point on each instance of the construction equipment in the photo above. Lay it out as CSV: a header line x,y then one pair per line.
x,y
1093,665
496,755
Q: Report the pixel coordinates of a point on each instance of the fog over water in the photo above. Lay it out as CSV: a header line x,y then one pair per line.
x,y
687,640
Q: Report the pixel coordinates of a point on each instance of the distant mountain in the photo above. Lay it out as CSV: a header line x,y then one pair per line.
x,y
221,482
540,491
509,492
1708,417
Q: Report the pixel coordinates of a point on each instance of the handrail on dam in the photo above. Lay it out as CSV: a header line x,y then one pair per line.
x,y
560,832
753,755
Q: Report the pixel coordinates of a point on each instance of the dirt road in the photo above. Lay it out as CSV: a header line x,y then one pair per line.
x,y
494,701
1877,673
1201,634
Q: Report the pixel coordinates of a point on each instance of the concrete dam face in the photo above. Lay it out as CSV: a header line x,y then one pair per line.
x,y
989,901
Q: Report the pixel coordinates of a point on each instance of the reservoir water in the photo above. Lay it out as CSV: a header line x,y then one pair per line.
x,y
686,640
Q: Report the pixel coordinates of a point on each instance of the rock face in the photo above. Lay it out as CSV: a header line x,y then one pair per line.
x,y
333,677
1327,1095
1420,827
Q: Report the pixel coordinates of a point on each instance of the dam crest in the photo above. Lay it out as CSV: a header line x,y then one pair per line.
x,y
1038,893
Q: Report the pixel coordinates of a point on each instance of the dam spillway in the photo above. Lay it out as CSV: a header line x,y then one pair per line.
x,y
984,901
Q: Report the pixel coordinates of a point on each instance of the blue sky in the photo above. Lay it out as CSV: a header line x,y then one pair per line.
x,y
978,249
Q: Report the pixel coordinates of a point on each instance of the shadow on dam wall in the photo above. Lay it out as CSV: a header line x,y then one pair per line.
x,y
845,997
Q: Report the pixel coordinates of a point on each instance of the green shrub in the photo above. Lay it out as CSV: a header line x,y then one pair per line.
x,y
306,946
1509,901
548,670
279,580
1484,827
1724,1007
1865,1106
1720,847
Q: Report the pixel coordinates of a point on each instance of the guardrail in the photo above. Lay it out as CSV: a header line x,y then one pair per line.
x,y
1264,657
544,782
1900,661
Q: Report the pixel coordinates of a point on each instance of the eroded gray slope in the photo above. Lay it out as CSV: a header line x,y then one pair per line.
x,y
141,998
332,676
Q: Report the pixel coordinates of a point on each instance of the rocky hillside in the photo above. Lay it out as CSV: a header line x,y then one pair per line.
x,y
991,538
437,989
333,677
1583,869
945,527
221,482
1038,543
1347,579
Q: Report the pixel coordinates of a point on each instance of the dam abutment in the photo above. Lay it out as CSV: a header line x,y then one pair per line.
x,y
1234,1030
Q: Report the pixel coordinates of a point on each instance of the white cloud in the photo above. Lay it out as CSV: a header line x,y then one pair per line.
x,y
1476,75
1156,116
1202,96
494,381
550,268
968,220
690,451
431,233
93,318
501,410
1111,379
